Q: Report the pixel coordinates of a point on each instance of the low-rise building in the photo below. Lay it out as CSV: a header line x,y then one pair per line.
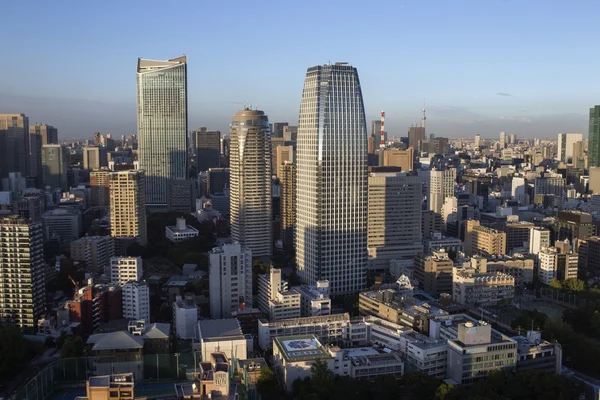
x,y
109,387
185,317
275,300
214,376
119,346
425,354
434,272
222,335
314,299
125,269
533,353
136,301
438,242
180,232
479,288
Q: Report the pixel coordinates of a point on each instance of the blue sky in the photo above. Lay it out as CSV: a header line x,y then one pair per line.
x,y
523,66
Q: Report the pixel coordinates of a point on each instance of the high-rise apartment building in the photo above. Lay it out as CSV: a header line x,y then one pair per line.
x,y
331,155
162,124
230,279
39,135
288,203
483,240
94,251
208,149
250,181
91,157
566,142
283,154
394,219
136,301
128,205
14,144
441,185
100,188
23,295
54,166
539,239
594,137
405,159
125,269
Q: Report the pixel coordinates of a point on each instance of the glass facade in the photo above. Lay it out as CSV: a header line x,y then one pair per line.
x,y
331,186
594,137
162,124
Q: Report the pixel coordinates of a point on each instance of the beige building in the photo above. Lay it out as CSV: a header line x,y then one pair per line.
x,y
100,188
404,159
109,387
91,157
483,240
480,288
287,177
434,272
519,266
275,300
94,251
283,154
128,205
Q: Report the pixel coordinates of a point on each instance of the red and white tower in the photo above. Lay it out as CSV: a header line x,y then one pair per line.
x,y
382,143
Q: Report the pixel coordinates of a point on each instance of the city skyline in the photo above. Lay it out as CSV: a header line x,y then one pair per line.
x,y
476,80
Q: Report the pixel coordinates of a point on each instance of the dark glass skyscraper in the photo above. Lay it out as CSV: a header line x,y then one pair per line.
x,y
208,149
331,185
162,124
594,137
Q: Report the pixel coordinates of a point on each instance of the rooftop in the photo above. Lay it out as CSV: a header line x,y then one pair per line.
x,y
301,348
220,329
119,340
157,330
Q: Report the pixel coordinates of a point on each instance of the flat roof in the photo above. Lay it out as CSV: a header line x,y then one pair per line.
x,y
217,329
301,348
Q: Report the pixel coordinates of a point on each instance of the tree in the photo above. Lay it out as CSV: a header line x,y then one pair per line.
x,y
322,379
555,284
73,347
14,351
443,391
574,285
267,384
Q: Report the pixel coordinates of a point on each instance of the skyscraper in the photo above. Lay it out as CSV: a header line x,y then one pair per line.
x,y
208,149
23,297
39,135
416,134
54,166
128,206
477,140
594,137
14,150
331,218
502,140
287,176
441,185
162,124
566,142
278,129
91,157
250,181
100,188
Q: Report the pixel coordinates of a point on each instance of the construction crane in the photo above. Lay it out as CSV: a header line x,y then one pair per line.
x,y
74,283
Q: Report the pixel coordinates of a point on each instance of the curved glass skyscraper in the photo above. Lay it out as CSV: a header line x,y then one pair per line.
x,y
250,181
162,124
331,197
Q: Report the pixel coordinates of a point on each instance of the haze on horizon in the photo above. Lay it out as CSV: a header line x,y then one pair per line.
x,y
483,67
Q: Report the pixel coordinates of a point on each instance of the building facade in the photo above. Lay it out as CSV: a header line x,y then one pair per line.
x,y
136,301
434,272
14,144
128,205
331,223
208,149
54,166
100,188
125,269
287,180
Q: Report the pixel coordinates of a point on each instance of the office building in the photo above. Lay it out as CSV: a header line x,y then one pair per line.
x,y
230,279
394,219
180,231
589,258
434,272
314,299
275,300
539,239
223,335
536,354
549,185
100,188
574,226
416,135
405,159
283,154
480,288
128,205
162,125
438,242
287,203
39,135
594,137
136,301
566,141
567,266
519,266
185,317
331,222
217,180
208,149
278,128
250,181
441,185
23,298
29,208
62,224
437,145
54,166
517,235
290,133
483,240
91,157
125,269
431,222
182,196
14,144
95,252
427,355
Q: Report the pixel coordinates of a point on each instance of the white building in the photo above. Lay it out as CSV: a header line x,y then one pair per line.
x,y
314,299
63,224
548,264
180,231
426,354
275,300
441,185
136,301
185,318
565,146
539,239
125,269
519,189
230,279
223,335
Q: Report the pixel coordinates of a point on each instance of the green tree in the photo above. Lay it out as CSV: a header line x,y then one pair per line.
x,y
322,379
443,391
574,285
555,284
73,347
267,384
14,351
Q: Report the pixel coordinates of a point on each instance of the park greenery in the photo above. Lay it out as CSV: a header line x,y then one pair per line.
x,y
15,352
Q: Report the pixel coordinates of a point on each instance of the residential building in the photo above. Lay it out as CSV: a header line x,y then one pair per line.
x,y
314,299
136,301
14,144
125,269
95,252
434,272
180,231
331,222
62,224
535,354
208,149
185,317
250,182
480,288
108,387
283,155
230,279
100,188
54,166
23,298
162,125
519,189
483,240
594,137
394,219
441,185
275,300
399,158
182,196
568,266
287,203
128,205
589,258
223,335
539,239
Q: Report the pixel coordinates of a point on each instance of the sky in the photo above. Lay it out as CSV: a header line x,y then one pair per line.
x,y
481,66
